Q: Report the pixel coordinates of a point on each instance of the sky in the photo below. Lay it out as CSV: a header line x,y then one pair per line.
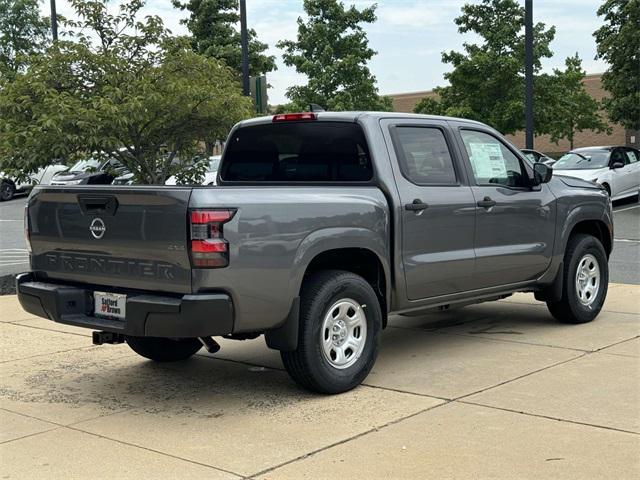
x,y
409,36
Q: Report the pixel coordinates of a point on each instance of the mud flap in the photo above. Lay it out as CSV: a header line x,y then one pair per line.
x,y
285,337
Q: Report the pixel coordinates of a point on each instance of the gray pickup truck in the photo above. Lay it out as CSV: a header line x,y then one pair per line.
x,y
322,226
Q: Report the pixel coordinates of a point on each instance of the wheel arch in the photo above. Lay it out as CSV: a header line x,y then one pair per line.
x,y
357,250
595,228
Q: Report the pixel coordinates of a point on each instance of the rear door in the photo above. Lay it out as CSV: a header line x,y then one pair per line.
x,y
132,237
515,222
438,211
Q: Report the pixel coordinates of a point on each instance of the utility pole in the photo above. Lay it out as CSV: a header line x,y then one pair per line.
x,y
244,41
54,21
528,72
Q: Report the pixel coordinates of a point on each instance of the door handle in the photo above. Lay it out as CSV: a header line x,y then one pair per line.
x,y
486,203
416,206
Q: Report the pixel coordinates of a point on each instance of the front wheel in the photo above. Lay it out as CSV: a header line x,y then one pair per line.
x,y
338,338
164,349
585,282
7,190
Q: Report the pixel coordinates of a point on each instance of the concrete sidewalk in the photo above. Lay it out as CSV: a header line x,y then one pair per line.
x,y
497,390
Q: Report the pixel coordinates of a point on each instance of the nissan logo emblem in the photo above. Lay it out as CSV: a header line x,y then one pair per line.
x,y
97,228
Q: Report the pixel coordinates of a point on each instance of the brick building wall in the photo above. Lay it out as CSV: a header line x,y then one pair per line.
x,y
405,102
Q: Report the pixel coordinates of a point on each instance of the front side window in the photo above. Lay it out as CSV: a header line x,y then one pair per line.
x,y
424,156
618,157
491,161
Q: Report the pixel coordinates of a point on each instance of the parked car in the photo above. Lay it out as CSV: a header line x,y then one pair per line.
x,y
124,179
617,169
11,186
209,175
324,225
536,156
90,171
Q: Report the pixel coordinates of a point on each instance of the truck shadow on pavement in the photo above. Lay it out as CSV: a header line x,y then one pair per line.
x,y
96,381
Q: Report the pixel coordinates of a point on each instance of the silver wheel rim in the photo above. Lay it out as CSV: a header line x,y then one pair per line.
x,y
587,280
344,333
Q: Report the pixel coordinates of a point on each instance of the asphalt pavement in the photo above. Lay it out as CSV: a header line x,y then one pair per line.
x,y
624,262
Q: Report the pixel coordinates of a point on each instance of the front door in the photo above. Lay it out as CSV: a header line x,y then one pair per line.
x,y
437,209
515,223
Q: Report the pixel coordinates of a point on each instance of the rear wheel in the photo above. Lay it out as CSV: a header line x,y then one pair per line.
x,y
586,278
338,339
164,349
7,190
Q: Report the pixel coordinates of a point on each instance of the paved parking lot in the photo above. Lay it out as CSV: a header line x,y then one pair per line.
x,y
497,390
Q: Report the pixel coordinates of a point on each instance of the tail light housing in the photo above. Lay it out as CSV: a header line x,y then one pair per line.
x,y
26,228
208,247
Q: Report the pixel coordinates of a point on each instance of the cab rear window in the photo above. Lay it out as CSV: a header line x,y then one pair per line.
x,y
297,152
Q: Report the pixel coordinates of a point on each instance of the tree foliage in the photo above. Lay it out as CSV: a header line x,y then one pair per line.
x,y
487,79
23,32
574,110
212,24
332,50
135,93
619,45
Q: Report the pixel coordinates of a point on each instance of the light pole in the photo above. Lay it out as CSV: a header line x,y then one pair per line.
x,y
528,72
244,41
54,21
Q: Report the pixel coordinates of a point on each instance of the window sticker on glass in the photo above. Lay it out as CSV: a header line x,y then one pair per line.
x,y
487,160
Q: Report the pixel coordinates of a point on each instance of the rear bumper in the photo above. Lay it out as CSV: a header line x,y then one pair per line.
x,y
146,315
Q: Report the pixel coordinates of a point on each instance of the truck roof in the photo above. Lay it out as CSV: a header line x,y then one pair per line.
x,y
353,116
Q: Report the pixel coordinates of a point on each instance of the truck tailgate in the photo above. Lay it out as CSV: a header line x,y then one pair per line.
x,y
128,237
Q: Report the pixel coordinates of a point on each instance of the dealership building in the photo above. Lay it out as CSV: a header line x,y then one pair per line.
x,y
405,102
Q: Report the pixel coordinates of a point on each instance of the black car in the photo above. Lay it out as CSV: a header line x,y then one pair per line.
x,y
90,171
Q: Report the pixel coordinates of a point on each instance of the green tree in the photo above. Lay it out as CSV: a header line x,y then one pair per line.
x,y
430,106
619,45
212,24
135,93
23,32
487,79
332,50
574,109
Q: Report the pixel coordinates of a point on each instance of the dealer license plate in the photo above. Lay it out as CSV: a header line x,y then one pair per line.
x,y
110,305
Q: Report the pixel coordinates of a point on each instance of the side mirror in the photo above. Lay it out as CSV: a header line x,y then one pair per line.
x,y
617,165
541,173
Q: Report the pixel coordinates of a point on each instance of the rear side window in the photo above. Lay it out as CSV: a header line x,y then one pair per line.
x,y
424,156
298,152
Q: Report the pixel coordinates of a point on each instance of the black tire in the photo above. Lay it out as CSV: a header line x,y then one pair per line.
x,y
7,190
164,349
308,365
570,309
607,188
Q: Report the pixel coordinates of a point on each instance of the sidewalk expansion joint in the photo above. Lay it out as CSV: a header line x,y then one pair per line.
x,y
159,452
557,419
346,440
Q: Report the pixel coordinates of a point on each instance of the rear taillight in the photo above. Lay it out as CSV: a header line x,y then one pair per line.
x,y
209,249
26,228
